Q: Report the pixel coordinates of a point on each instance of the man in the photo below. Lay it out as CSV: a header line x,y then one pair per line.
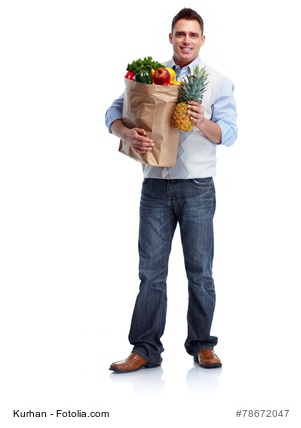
x,y
183,195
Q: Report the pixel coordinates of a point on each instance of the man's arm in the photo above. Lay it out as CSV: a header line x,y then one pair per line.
x,y
222,128
210,129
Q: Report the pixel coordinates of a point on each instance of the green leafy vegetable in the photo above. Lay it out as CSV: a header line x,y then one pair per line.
x,y
143,65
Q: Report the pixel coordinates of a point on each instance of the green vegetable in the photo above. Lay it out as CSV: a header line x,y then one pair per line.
x,y
143,65
143,77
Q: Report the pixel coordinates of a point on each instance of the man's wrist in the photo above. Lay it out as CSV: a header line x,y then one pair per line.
x,y
211,130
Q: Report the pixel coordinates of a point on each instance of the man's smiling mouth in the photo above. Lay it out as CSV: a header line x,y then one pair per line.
x,y
185,49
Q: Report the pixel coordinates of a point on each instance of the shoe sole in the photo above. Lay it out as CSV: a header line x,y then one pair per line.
x,y
146,366
211,366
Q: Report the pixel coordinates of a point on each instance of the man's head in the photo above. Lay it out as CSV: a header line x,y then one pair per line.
x,y
186,36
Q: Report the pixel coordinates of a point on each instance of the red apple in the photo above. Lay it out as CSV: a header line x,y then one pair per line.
x,y
161,76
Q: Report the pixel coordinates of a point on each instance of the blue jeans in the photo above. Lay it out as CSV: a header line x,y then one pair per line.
x,y
164,204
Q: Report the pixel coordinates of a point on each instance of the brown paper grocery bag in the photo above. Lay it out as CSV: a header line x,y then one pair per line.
x,y
150,107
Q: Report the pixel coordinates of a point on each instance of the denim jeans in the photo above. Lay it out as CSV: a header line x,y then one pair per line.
x,y
164,204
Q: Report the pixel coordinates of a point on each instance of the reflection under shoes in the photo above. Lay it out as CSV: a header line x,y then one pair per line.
x,y
145,380
199,380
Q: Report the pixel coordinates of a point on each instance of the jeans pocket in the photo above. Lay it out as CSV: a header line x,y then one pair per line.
x,y
145,182
202,183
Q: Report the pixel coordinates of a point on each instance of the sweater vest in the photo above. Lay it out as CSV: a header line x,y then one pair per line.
x,y
196,156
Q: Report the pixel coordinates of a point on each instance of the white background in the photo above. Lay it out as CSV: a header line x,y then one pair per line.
x,y
69,218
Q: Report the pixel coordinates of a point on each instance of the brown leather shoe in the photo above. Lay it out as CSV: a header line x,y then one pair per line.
x,y
208,359
131,364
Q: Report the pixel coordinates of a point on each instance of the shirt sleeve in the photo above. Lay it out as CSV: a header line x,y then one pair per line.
x,y
114,112
224,112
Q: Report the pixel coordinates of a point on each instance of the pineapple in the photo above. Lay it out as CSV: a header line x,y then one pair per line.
x,y
192,89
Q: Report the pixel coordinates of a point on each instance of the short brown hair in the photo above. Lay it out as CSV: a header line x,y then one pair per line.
x,y
190,14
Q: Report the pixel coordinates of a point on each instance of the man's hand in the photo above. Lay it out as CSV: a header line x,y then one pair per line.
x,y
196,112
210,129
136,137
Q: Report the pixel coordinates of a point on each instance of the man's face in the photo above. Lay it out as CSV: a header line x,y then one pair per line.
x,y
187,40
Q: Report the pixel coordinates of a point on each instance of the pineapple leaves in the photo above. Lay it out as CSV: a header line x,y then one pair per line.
x,y
194,85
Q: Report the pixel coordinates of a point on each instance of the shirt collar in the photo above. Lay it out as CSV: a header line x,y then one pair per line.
x,y
188,67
